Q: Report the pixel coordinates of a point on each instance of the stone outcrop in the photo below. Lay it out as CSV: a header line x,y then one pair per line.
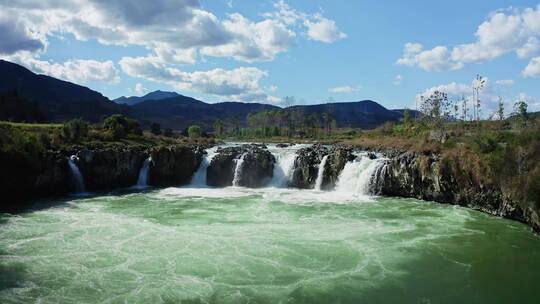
x,y
111,168
174,165
256,170
306,166
426,177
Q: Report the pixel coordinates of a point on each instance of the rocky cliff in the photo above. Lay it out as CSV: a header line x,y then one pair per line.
x,y
427,176
48,174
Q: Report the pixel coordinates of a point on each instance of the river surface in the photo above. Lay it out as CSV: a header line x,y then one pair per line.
x,y
273,245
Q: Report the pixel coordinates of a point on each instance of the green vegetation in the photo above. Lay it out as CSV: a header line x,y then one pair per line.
x,y
194,131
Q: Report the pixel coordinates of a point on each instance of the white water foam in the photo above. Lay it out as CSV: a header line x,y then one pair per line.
x,y
199,178
356,176
320,173
76,173
238,170
142,182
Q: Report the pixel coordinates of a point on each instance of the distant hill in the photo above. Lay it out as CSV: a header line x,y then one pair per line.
x,y
26,96
58,100
156,95
181,112
365,114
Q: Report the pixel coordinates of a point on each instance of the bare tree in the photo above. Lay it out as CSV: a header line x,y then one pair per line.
x,y
478,85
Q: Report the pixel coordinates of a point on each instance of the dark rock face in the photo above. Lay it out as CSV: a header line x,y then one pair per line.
x,y
337,159
306,166
256,171
426,177
111,168
174,165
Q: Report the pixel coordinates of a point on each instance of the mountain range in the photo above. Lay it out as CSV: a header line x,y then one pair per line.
x,y
55,100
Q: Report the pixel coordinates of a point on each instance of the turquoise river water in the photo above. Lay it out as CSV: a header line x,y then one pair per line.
x,y
272,245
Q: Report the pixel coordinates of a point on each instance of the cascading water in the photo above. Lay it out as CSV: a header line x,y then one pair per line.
x,y
143,174
199,178
238,170
77,176
283,168
357,176
320,173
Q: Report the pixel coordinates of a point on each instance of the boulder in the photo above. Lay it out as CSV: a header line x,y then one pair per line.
x,y
306,166
174,165
256,168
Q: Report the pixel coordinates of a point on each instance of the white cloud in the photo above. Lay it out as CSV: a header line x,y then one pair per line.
x,y
77,71
344,89
505,82
323,29
241,84
436,60
140,89
532,102
17,36
398,79
260,41
504,32
532,69
175,31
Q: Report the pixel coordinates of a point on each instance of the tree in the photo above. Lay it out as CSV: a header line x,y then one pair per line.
x,y
218,128
120,126
520,107
478,85
436,110
194,131
168,132
155,128
407,116
500,110
74,130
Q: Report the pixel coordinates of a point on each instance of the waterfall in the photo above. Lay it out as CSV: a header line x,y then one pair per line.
x,y
283,168
320,173
357,176
199,178
77,176
238,170
143,174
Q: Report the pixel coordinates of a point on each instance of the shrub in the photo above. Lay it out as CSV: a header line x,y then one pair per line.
x,y
121,126
74,130
168,132
155,128
194,131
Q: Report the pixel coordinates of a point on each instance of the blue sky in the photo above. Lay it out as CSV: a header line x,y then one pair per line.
x,y
261,51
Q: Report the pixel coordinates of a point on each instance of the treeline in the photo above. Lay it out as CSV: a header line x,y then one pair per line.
x,y
292,122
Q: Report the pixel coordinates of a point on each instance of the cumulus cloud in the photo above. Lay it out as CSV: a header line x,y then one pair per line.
x,y
140,89
532,102
344,89
505,82
533,68
322,29
16,36
435,60
398,79
241,84
253,41
175,31
504,32
78,70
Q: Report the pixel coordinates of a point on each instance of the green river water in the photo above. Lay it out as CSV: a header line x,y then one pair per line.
x,y
235,245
